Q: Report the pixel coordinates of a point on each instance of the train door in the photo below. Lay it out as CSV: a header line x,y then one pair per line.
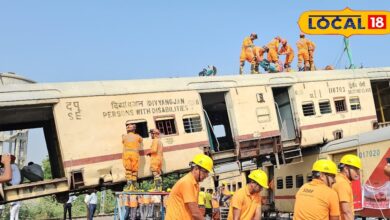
x,y
284,113
217,118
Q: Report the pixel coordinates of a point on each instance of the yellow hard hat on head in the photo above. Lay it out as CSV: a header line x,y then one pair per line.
x,y
169,189
351,160
259,177
325,166
204,161
224,183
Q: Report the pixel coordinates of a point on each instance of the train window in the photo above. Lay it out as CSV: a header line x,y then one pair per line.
x,y
239,185
308,109
340,105
166,125
355,103
142,129
279,183
192,123
309,177
298,180
338,134
263,114
289,182
325,107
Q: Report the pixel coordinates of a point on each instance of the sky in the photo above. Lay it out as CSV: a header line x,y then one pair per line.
x,y
62,41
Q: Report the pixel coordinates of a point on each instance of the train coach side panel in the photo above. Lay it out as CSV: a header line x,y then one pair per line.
x,y
327,107
90,132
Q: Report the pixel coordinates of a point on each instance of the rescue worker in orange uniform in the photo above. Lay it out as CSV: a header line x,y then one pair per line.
x,y
259,55
183,198
247,53
246,202
156,158
273,47
349,166
311,47
316,199
132,143
287,50
303,53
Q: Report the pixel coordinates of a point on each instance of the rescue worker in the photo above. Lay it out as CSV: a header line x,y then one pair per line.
x,y
247,53
303,53
215,205
225,194
133,205
156,158
273,47
132,143
287,50
259,54
349,166
316,199
246,202
311,47
202,201
183,199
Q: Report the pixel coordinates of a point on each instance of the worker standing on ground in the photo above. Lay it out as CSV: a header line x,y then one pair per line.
x,y
202,201
246,202
287,50
132,143
247,53
273,47
156,158
303,53
183,199
316,199
349,166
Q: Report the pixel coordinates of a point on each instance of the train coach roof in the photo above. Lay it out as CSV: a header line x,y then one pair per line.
x,y
374,136
119,87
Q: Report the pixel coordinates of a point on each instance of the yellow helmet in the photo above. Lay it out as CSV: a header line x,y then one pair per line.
x,y
224,183
351,160
203,161
325,166
169,189
259,177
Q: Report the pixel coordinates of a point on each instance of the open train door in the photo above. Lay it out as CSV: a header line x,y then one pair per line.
x,y
218,119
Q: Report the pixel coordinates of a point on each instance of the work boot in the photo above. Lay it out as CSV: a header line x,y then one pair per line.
x,y
241,70
253,71
257,68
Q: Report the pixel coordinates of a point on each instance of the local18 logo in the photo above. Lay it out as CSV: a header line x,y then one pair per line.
x,y
345,22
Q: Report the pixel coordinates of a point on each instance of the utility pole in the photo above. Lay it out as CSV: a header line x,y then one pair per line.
x,y
349,53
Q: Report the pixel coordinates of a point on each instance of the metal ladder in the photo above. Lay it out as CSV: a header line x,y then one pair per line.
x,y
292,153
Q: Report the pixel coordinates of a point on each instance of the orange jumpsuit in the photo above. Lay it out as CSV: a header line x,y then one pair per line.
x,y
343,188
131,145
156,155
303,52
311,47
315,200
273,51
289,52
259,52
247,51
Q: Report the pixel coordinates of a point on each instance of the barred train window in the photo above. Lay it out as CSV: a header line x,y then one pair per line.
x,y
192,123
309,177
279,183
298,180
355,103
166,125
308,109
325,107
340,105
289,182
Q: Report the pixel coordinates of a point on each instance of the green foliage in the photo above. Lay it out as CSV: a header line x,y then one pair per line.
x,y
46,168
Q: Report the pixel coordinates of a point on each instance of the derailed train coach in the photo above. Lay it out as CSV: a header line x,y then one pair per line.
x,y
242,122
371,192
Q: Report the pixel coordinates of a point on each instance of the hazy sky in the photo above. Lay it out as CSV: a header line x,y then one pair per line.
x,y
53,41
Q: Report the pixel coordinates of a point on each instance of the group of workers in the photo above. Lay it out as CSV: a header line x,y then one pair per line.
x,y
328,196
278,46
141,206
132,144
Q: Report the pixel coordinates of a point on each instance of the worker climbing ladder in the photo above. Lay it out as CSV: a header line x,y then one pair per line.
x,y
143,209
